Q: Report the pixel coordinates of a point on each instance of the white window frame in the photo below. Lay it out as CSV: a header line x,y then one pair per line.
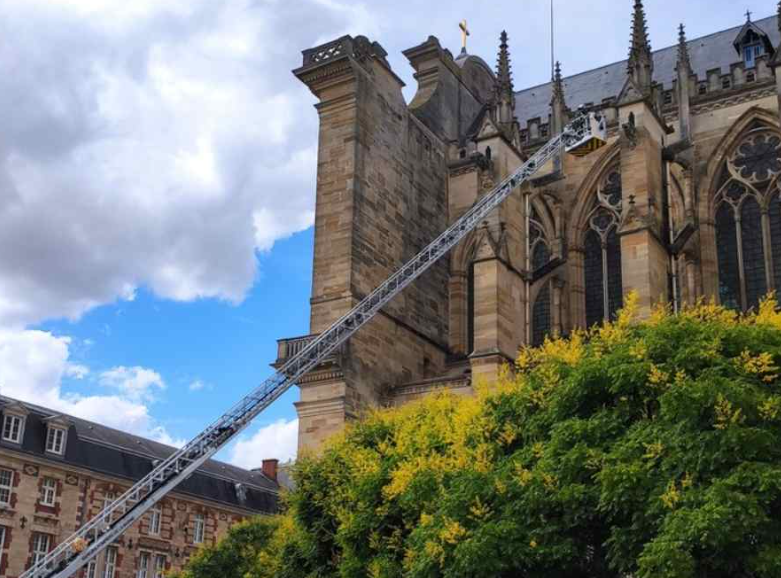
x,y
6,488
48,492
92,569
144,558
160,561
2,538
8,432
55,440
155,521
110,566
199,529
108,499
41,544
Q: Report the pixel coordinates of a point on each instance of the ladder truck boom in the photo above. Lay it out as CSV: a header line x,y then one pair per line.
x,y
585,134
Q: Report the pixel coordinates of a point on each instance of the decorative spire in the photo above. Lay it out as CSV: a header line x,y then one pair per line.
x,y
684,63
640,44
640,65
505,96
558,103
504,80
558,85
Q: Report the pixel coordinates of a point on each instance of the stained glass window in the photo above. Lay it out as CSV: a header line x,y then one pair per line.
x,y
541,318
595,287
602,253
540,255
614,280
753,252
749,188
774,216
470,310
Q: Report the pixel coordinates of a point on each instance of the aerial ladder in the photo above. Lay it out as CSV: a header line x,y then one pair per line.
x,y
585,134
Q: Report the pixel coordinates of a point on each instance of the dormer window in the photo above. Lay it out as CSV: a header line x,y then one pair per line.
x,y
14,418
751,53
751,43
13,426
55,440
56,434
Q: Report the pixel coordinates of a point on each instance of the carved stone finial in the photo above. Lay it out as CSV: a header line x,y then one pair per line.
x,y
504,81
558,103
684,64
505,94
640,65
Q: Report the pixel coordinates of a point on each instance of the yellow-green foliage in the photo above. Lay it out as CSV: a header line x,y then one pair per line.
x,y
648,449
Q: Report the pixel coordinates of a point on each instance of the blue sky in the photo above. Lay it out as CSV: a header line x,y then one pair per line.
x,y
157,170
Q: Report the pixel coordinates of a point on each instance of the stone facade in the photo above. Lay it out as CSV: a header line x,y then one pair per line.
x,y
693,135
45,495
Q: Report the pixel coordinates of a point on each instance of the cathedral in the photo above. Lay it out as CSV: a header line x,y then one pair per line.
x,y
683,203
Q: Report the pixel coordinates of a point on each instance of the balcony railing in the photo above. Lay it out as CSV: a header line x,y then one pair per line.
x,y
287,348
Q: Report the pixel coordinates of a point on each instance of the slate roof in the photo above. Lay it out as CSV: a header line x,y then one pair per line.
x,y
707,53
118,454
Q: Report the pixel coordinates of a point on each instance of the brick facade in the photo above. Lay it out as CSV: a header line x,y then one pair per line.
x,y
81,492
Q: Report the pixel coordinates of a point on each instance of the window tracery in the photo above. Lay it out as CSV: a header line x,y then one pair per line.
x,y
602,252
748,220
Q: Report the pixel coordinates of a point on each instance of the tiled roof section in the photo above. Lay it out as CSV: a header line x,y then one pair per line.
x,y
108,451
594,86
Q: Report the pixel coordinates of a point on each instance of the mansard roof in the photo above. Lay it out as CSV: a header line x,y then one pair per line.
x,y
117,454
715,51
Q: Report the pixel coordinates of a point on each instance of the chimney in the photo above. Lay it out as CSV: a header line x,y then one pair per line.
x,y
269,469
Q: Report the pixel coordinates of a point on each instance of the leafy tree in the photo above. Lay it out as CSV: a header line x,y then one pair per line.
x,y
650,449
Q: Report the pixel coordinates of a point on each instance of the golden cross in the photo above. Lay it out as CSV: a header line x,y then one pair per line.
x,y
464,34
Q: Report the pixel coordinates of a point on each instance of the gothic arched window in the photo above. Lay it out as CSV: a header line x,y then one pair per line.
x,y
748,220
540,256
602,253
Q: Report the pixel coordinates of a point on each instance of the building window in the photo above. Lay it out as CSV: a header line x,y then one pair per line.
x,y
2,537
750,77
6,485
470,310
55,440
40,546
544,131
540,256
199,529
110,569
602,253
159,566
13,426
751,53
155,519
668,97
143,565
48,491
748,212
702,89
92,569
108,499
726,82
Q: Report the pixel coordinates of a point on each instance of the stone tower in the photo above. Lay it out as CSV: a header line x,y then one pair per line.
x,y
678,206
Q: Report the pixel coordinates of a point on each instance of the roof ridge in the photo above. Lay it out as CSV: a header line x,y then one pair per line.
x,y
93,440
654,52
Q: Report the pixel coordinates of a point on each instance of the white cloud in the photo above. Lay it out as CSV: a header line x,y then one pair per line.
x,y
137,383
167,149
278,440
33,364
198,385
